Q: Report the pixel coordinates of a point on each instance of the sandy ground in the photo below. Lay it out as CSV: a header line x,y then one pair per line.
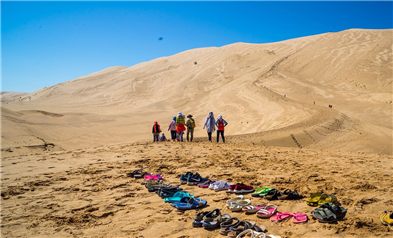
x,y
86,193
66,149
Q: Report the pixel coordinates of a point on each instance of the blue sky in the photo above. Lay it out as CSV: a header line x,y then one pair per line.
x,y
46,43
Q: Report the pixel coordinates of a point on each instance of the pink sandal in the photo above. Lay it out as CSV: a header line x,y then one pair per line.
x,y
299,217
267,212
153,177
280,216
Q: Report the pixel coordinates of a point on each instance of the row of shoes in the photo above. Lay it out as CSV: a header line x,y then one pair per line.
x,y
229,226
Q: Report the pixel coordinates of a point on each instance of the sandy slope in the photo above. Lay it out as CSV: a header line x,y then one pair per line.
x,y
66,148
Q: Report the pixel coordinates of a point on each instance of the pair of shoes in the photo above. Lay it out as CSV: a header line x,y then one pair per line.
x,y
318,199
195,179
296,217
153,177
240,188
210,220
206,184
168,192
220,186
288,194
237,203
177,197
387,219
184,177
254,209
260,192
267,211
234,229
188,203
191,179
329,212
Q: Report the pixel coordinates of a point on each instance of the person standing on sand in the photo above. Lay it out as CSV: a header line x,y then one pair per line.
x,y
156,131
180,125
210,125
172,128
190,124
220,123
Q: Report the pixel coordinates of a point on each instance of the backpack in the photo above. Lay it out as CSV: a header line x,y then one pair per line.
x,y
192,123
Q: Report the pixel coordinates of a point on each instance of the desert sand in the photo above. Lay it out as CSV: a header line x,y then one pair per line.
x,y
66,149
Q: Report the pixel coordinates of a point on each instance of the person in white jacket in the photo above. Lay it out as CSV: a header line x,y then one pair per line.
x,y
172,128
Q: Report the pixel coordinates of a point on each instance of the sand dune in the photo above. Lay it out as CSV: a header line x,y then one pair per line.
x,y
244,82
66,148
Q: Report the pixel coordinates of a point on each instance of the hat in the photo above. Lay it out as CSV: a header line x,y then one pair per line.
x,y
189,115
174,118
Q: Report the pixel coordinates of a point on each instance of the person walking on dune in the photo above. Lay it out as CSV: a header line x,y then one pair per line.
x,y
172,128
220,123
190,124
180,125
156,132
210,125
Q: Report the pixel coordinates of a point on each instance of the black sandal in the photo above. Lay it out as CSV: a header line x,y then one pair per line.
x,y
289,194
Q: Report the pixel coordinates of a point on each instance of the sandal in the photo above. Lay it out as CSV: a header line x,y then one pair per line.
x,y
273,194
224,226
267,212
313,199
198,219
289,195
254,209
329,212
217,221
387,219
325,198
192,203
238,206
260,192
280,216
299,217
234,199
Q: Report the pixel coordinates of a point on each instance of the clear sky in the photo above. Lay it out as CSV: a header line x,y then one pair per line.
x,y
46,43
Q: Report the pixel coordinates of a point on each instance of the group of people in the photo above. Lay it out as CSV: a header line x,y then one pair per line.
x,y
179,125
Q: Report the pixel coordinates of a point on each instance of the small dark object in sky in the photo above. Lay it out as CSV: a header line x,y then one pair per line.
x,y
195,62
161,38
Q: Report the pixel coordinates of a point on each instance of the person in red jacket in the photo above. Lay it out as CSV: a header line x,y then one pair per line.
x,y
156,131
220,123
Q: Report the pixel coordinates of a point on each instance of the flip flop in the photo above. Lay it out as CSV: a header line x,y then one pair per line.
x,y
260,192
280,216
254,209
191,204
177,197
267,212
313,199
299,217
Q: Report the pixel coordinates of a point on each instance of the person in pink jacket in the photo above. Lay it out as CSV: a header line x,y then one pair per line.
x,y
172,128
